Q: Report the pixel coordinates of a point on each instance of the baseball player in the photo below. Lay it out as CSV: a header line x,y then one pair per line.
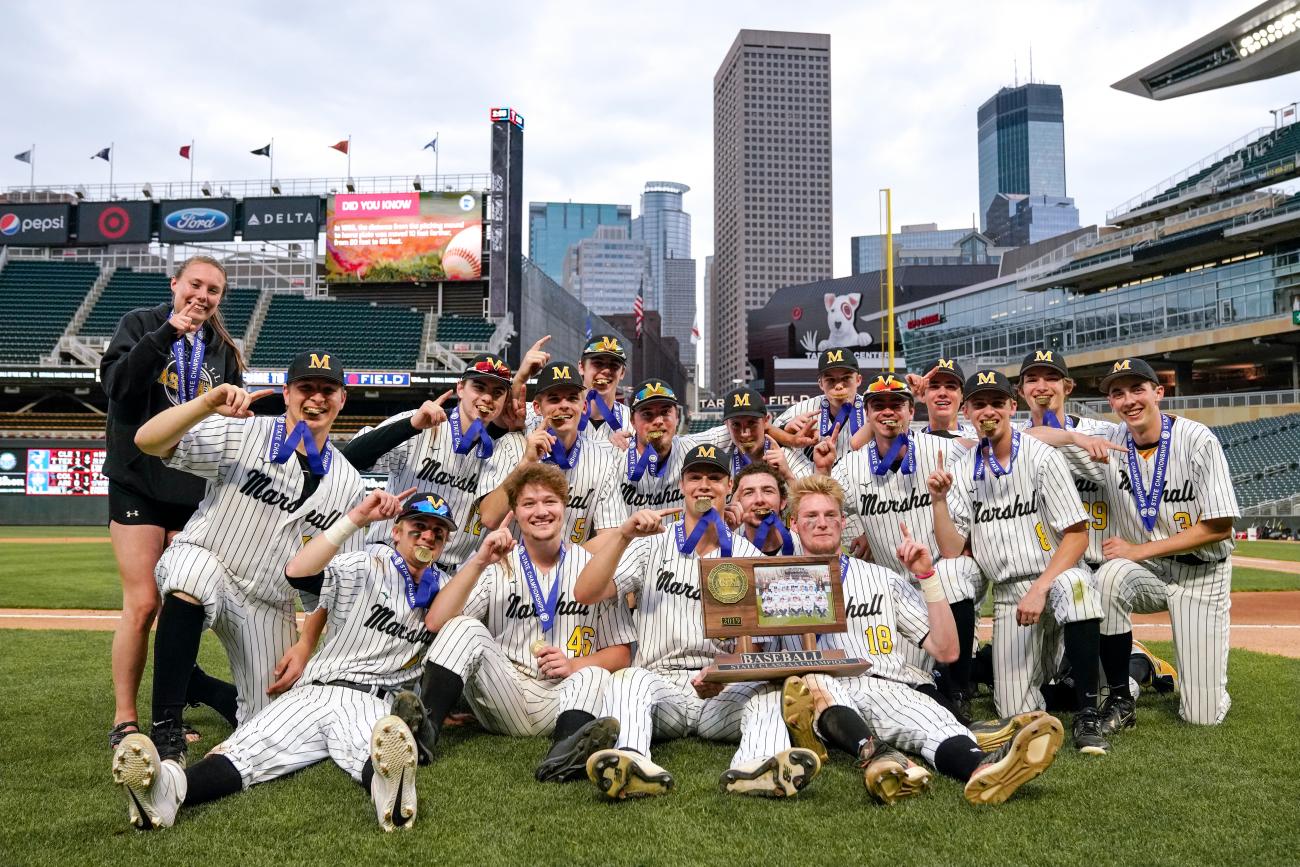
x,y
1013,499
881,606
592,466
272,482
839,407
449,452
750,430
756,507
375,600
1172,497
664,695
1045,383
940,391
529,658
602,367
887,488
653,450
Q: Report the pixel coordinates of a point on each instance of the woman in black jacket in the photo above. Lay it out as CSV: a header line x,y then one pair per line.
x,y
158,357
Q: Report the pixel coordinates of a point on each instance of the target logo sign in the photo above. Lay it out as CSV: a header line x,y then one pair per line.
x,y
114,222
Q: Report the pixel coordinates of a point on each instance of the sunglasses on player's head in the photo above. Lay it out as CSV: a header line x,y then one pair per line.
x,y
427,506
652,390
492,366
885,385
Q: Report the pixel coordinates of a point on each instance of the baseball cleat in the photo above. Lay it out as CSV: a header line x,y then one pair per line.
x,y
798,711
781,776
1163,676
1118,714
889,775
567,759
154,788
409,709
991,734
169,739
1087,735
1029,753
623,774
392,788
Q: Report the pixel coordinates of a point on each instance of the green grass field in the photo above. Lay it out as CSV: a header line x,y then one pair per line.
x,y
1271,550
1168,794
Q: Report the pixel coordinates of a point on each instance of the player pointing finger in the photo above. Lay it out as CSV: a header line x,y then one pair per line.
x,y
431,414
940,481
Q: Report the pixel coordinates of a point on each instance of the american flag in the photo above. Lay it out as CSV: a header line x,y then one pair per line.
x,y
638,309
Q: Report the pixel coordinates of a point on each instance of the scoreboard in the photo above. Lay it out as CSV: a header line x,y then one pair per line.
x,y
57,472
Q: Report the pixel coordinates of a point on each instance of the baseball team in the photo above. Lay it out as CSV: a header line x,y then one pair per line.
x,y
536,564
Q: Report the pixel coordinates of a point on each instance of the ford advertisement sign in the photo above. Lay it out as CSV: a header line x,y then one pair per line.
x,y
189,220
36,225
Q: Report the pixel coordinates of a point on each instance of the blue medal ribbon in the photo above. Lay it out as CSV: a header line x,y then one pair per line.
x,y
844,567
765,527
418,595
477,432
563,458
851,413
985,453
187,377
740,460
543,608
282,447
881,466
649,459
686,544
607,412
1050,420
1148,502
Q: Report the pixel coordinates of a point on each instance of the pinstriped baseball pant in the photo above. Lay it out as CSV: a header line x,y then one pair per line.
x,y
908,720
255,632
505,699
1198,599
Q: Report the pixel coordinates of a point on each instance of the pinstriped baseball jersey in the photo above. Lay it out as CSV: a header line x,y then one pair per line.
x,y
656,492
815,404
669,619
373,635
502,602
597,430
253,517
594,501
1014,522
1083,424
1198,487
1090,481
879,606
427,461
881,502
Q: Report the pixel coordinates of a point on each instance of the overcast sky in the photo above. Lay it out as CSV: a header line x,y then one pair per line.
x,y
614,94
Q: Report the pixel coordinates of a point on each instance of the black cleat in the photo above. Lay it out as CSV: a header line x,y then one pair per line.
x,y
169,738
1087,735
409,709
1118,714
567,759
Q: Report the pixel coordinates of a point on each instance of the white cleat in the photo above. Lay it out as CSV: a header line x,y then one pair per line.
x,y
154,789
781,776
621,774
392,788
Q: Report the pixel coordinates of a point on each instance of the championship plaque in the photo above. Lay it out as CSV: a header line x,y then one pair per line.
x,y
744,597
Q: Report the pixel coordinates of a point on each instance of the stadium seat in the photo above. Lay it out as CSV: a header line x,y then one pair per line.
x,y
1263,457
454,328
366,337
127,290
37,300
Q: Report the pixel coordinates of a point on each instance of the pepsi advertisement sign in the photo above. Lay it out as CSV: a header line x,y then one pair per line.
x,y
281,218
184,221
114,222
35,225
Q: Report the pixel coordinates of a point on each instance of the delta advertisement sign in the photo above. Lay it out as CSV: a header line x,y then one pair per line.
x,y
403,237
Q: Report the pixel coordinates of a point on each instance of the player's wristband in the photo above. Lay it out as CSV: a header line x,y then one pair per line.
x,y
932,590
340,530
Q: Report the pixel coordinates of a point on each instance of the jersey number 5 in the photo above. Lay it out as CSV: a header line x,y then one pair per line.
x,y
579,643
579,534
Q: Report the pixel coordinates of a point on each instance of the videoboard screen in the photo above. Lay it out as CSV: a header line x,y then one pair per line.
x,y
403,237
57,472
114,222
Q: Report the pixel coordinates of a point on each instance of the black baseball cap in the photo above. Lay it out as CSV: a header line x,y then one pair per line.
x,y
315,364
705,456
556,374
887,383
605,344
430,505
950,367
651,390
1048,358
1128,367
829,359
488,366
988,380
743,401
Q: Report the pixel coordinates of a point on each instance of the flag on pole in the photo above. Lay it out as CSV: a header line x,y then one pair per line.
x,y
102,155
185,151
24,157
264,151
341,146
433,145
588,326
695,330
638,309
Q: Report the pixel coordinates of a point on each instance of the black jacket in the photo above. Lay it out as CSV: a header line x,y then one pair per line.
x,y
132,373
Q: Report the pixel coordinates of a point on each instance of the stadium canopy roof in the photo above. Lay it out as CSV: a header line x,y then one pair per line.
x,y
1262,43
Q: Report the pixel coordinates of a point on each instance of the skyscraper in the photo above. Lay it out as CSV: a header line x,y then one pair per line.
x,y
772,180
1021,132
666,229
606,271
554,227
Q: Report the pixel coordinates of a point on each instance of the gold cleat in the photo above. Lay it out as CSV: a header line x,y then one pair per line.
x,y
1016,762
991,734
621,774
797,708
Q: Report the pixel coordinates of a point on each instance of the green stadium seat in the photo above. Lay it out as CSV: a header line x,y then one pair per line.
x,y
127,290
37,300
365,337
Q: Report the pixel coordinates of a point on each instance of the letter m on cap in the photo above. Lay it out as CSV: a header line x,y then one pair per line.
x,y
740,400
834,355
1126,364
561,372
945,364
708,452
988,378
319,361
1040,355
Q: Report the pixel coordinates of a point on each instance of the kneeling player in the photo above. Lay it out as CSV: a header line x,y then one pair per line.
x,y
529,658
881,605
375,601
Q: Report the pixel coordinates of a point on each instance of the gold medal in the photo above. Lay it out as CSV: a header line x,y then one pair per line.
x,y
988,426
654,434
1043,399
423,554
537,646
702,505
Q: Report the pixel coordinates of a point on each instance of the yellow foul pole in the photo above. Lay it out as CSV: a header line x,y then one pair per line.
x,y
889,276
